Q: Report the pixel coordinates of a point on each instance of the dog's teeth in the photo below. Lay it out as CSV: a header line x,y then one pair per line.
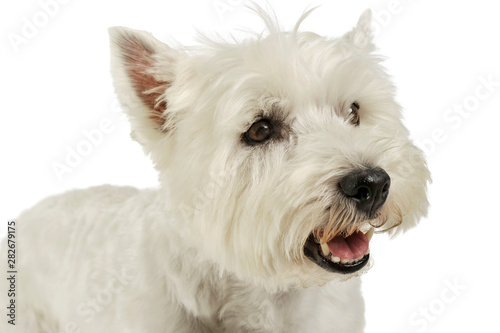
x,y
325,249
345,261
369,234
335,259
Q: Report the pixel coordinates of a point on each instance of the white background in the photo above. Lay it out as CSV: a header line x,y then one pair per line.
x,y
440,277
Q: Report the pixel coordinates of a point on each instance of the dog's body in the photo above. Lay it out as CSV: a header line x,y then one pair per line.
x,y
126,277
275,158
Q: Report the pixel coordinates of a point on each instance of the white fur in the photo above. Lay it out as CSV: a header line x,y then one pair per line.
x,y
219,248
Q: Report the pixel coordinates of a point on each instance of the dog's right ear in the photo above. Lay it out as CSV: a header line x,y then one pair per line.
x,y
143,68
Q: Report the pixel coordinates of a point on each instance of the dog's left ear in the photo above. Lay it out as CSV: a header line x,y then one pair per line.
x,y
143,68
361,35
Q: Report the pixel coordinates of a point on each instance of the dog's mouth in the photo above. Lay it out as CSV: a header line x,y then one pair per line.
x,y
342,254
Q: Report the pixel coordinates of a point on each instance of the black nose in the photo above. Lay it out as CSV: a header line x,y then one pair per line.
x,y
367,188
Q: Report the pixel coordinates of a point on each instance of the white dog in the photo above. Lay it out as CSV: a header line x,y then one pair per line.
x,y
277,156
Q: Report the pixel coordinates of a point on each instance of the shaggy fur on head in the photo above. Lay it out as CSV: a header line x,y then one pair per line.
x,y
220,247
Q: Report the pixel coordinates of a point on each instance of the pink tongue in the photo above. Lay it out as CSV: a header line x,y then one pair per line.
x,y
351,247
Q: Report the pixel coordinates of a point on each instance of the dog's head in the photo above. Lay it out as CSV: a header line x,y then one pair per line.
x,y
281,154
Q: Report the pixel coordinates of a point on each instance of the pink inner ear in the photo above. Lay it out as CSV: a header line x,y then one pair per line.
x,y
139,61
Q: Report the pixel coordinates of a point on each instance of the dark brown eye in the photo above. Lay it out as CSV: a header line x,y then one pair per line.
x,y
354,114
259,132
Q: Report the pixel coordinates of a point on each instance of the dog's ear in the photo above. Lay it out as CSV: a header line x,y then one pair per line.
x,y
143,68
361,36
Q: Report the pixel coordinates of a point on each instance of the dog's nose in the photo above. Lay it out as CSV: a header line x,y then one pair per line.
x,y
368,188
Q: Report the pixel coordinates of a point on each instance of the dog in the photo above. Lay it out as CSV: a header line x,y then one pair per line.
x,y
278,157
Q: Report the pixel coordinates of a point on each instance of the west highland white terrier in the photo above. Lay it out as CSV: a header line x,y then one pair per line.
x,y
278,157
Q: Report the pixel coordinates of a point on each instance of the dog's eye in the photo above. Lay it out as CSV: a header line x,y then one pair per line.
x,y
354,114
260,131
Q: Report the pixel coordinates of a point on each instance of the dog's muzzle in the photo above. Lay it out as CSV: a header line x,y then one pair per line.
x,y
347,253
